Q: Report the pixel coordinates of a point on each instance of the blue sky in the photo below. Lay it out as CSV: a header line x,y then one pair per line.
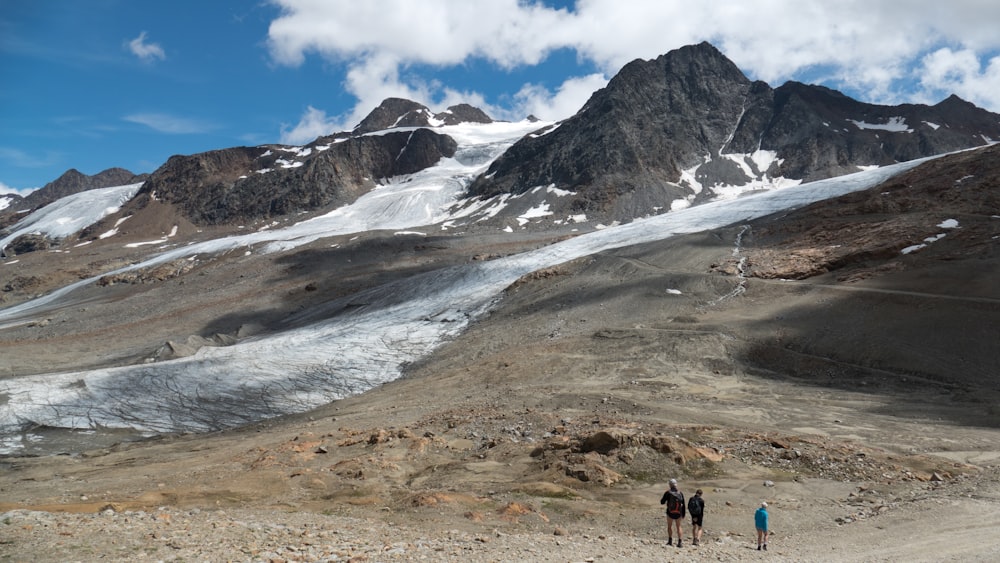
x,y
94,84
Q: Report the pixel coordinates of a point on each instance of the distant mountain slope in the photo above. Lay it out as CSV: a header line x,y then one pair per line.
x,y
62,218
71,182
683,127
250,183
932,217
818,132
398,112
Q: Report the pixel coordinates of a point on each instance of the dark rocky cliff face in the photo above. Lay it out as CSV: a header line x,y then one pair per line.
x,y
653,119
821,133
692,110
247,183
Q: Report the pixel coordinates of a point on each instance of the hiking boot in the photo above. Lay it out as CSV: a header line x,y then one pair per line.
x,y
678,543
765,547
670,541
758,548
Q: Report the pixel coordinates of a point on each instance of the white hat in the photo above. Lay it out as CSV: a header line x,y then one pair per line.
x,y
673,481
763,504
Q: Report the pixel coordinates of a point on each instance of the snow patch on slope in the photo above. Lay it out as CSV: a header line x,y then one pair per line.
x,y
754,165
893,124
70,214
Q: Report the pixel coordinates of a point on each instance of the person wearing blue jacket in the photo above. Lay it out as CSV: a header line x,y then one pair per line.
x,y
760,521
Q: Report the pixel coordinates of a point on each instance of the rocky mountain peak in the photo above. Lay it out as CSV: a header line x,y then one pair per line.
x,y
689,125
953,101
73,181
400,112
681,129
394,112
463,113
625,149
248,183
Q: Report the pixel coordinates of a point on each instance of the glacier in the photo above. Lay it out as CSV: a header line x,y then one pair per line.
x,y
359,348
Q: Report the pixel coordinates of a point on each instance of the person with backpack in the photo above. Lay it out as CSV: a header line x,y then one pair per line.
x,y
696,506
674,499
760,521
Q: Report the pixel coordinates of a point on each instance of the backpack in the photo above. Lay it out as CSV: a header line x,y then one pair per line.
x,y
675,504
694,507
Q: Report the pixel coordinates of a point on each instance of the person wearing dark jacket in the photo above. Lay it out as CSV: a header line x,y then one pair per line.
x,y
674,499
696,506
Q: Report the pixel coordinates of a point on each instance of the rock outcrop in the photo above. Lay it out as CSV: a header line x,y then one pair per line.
x,y
248,183
688,122
398,112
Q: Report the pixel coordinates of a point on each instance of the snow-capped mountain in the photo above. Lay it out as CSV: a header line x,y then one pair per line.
x,y
69,215
71,182
685,128
674,146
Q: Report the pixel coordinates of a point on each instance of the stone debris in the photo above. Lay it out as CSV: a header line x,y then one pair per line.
x,y
262,536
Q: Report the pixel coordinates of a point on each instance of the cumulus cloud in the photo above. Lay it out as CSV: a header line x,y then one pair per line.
x,y
314,123
439,32
147,52
961,72
535,100
165,123
877,47
5,189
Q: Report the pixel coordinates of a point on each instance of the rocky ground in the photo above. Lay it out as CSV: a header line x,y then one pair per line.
x,y
495,475
859,401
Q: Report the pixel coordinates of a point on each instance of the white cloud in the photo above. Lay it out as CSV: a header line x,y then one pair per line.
x,y
314,123
439,32
5,189
869,46
165,123
567,100
147,52
963,73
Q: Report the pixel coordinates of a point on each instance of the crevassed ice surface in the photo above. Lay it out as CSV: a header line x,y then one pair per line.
x,y
359,348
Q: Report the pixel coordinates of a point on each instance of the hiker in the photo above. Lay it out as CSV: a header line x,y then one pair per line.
x,y
674,499
760,521
696,506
